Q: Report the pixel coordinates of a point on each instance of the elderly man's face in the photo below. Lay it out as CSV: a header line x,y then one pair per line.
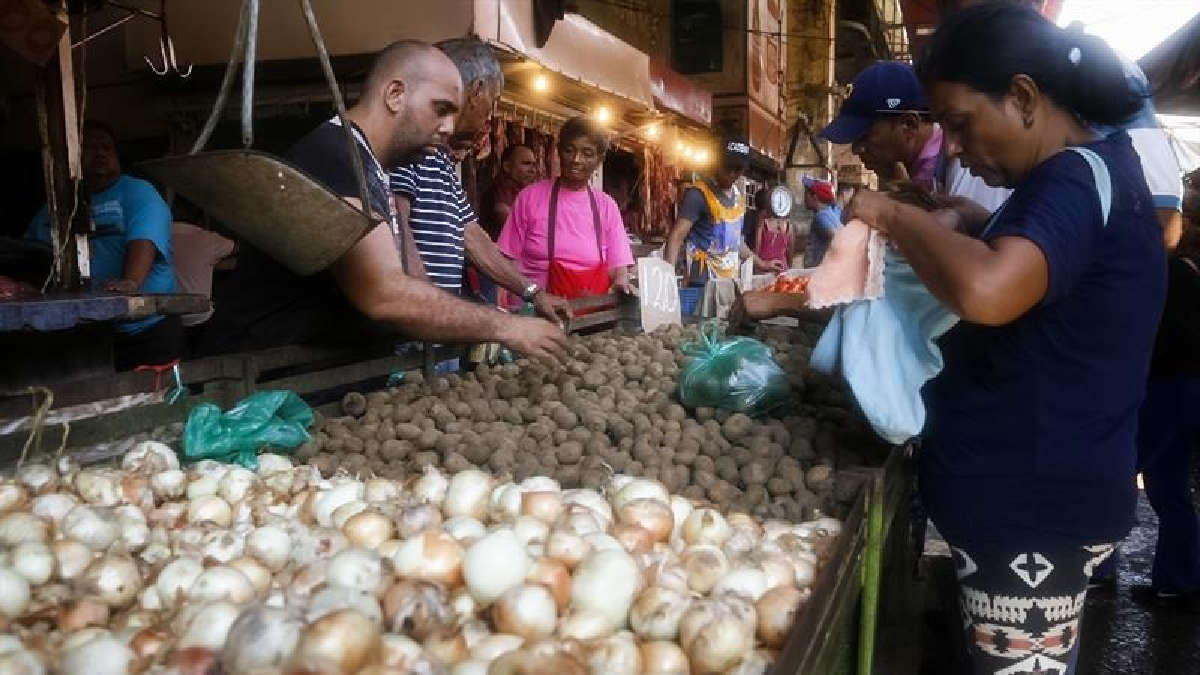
x,y
101,166
522,166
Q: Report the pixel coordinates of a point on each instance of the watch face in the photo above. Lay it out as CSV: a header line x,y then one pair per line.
x,y
781,201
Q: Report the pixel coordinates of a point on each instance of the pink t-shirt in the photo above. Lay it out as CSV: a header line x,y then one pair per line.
x,y
924,171
524,235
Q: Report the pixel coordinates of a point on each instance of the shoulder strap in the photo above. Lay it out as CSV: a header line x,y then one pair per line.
x,y
552,223
1102,178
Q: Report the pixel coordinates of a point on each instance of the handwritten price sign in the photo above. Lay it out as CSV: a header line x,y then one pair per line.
x,y
658,293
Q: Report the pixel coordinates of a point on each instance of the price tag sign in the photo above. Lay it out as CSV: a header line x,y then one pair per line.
x,y
658,293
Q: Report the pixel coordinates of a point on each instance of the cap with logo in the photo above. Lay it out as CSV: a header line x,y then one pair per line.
x,y
823,189
885,88
735,152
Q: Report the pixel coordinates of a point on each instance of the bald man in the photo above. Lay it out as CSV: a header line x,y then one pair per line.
x,y
410,100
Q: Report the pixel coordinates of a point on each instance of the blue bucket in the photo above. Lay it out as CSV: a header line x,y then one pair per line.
x,y
689,300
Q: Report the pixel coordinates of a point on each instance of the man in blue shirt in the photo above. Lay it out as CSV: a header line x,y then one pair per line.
x,y
130,248
827,218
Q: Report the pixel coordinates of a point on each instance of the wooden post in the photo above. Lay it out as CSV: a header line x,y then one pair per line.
x,y
58,126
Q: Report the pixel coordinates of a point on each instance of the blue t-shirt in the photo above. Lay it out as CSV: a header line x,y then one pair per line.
x,y
825,222
130,209
438,215
1030,434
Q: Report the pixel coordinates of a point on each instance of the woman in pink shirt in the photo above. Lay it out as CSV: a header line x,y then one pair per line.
x,y
567,237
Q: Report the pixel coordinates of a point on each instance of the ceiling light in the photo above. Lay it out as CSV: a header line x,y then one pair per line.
x,y
541,83
603,114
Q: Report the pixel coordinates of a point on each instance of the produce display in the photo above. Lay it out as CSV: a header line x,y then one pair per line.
x,y
156,568
613,409
786,284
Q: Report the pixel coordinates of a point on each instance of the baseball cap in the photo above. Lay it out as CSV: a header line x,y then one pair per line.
x,y
735,152
886,87
823,189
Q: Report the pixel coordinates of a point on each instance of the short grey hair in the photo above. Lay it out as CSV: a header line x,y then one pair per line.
x,y
476,62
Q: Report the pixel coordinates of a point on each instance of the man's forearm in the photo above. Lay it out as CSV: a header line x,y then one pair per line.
x,y
485,255
675,241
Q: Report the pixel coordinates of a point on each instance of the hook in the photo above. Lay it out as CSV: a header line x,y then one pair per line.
x,y
166,49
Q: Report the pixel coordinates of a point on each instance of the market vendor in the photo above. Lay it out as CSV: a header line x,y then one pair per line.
x,y
431,200
130,248
564,235
1027,461
708,228
409,102
819,198
518,168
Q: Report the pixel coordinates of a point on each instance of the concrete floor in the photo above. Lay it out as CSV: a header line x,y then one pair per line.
x,y
1123,637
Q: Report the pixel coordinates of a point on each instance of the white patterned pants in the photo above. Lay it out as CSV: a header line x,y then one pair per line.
x,y
1021,610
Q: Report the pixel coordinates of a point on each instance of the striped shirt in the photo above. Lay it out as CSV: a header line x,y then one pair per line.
x,y
438,215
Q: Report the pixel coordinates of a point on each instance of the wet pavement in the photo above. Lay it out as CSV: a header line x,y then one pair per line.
x,y
1122,636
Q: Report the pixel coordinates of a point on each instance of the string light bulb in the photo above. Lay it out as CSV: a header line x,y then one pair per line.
x,y
603,114
541,83
652,132
701,156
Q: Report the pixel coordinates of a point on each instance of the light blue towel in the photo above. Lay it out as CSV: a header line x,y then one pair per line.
x,y
885,348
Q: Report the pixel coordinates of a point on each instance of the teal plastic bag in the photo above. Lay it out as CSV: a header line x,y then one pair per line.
x,y
276,418
738,374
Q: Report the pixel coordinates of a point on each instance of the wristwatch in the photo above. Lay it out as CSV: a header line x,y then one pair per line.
x,y
530,292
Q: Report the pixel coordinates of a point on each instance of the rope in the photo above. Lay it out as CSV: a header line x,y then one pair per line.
x,y
235,57
38,423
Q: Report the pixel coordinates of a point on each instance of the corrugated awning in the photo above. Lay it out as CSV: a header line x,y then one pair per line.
x,y
678,94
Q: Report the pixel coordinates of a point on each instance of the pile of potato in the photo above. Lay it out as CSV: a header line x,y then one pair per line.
x,y
613,410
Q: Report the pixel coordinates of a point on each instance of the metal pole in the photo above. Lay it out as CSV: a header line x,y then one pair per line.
x,y
248,74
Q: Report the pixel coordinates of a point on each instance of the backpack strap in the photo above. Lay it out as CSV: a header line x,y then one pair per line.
x,y
1102,179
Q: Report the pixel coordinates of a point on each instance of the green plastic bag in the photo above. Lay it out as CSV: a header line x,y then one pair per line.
x,y
276,418
737,374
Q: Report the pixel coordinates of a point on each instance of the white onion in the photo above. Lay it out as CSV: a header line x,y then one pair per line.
x,y
400,651
19,527
471,667
527,610
341,642
367,529
95,528
21,662
14,593
465,529
650,515
806,572
600,541
269,463
38,478
668,573
114,579
419,608
433,556
53,506
257,573
752,663
34,561
567,546
12,495
149,599
530,530
209,627
271,545
208,467
431,486
592,500
494,564
661,657
656,612
545,505
102,654
555,577
463,605
347,511
618,482
616,655
468,494
716,634
203,486
260,638
234,485
504,504
357,568
641,488
326,502
584,625
581,520
831,527
388,548
150,457
176,579
414,520
744,580
380,491
776,611
493,646
222,545
210,509
101,487
335,598
71,558
221,584
704,565
540,484
606,582
706,526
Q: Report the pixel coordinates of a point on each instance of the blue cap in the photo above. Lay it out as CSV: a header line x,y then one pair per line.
x,y
887,87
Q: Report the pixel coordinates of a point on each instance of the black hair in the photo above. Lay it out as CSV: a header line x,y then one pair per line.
x,y
94,125
762,199
512,150
584,127
984,46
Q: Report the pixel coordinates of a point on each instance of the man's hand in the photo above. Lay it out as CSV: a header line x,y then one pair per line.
x,y
873,208
778,266
552,307
120,286
759,305
536,339
626,287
